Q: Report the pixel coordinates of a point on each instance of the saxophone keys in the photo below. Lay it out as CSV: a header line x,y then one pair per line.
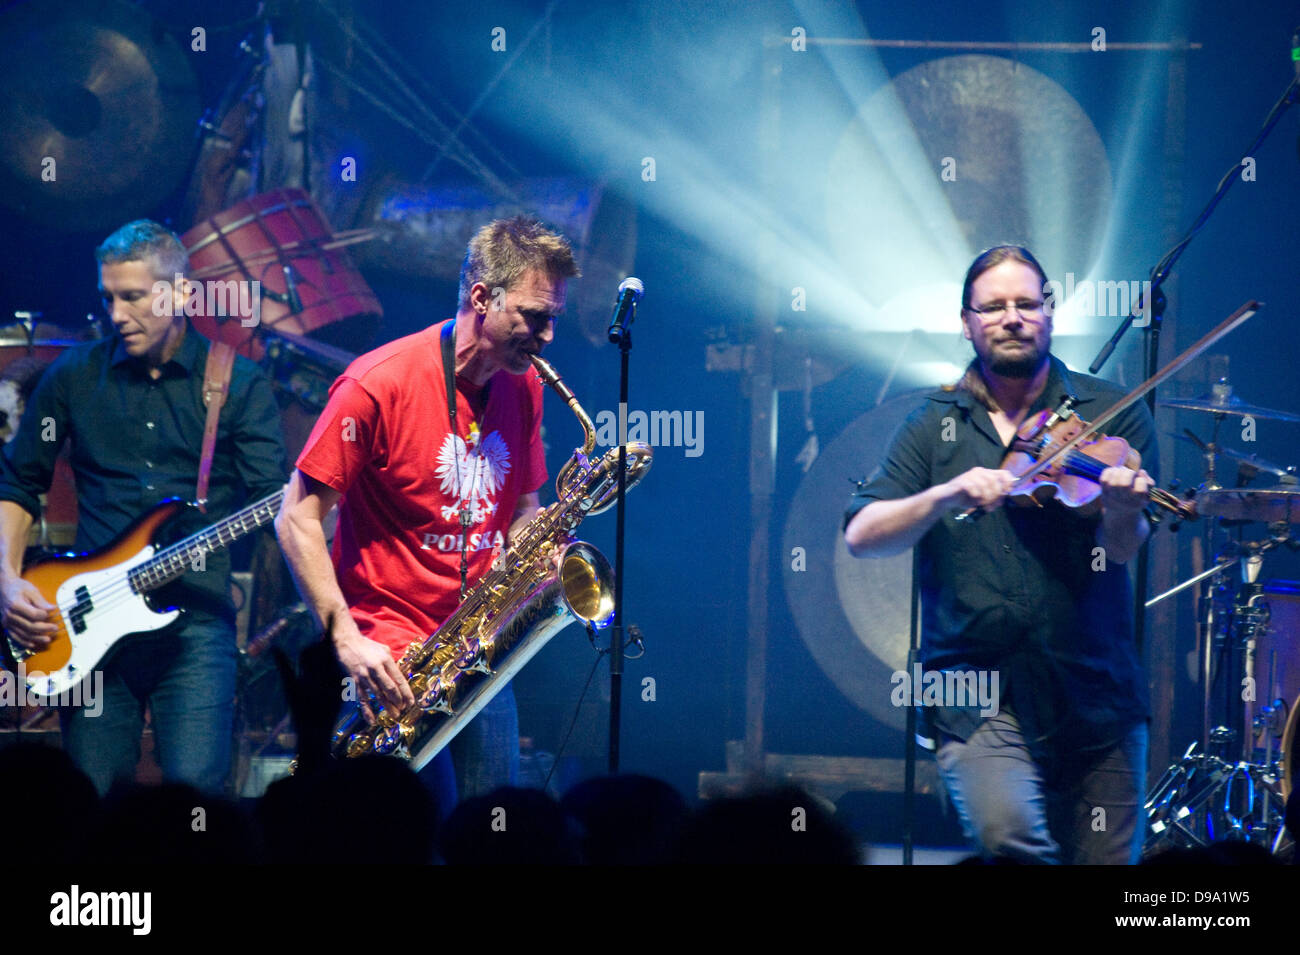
x,y
434,700
389,738
480,665
474,661
440,705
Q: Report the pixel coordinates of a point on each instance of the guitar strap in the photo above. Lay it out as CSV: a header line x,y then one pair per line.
x,y
216,386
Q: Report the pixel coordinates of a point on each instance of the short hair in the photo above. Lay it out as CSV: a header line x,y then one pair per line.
x,y
993,257
503,250
145,241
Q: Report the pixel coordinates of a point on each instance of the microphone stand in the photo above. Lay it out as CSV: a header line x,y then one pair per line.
x,y
910,718
1157,309
624,339
1166,264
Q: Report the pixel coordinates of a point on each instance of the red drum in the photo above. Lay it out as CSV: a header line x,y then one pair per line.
x,y
280,240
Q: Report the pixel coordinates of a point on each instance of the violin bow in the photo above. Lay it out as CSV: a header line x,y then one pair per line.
x,y
1178,364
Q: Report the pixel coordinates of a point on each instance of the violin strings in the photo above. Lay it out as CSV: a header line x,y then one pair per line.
x,y
1088,466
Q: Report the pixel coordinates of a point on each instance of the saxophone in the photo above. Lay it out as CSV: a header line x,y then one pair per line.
x,y
543,582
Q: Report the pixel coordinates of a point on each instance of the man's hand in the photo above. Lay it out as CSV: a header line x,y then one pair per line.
x,y
980,487
1124,491
26,614
302,538
370,664
1123,525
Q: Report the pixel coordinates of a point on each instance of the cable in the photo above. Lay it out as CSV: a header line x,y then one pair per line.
x,y
400,90
577,709
487,90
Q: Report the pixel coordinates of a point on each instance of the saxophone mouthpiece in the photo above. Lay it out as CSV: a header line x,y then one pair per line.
x,y
544,368
550,377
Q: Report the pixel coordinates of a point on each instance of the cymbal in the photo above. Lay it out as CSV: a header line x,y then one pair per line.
x,y
97,116
1228,405
1241,457
1269,505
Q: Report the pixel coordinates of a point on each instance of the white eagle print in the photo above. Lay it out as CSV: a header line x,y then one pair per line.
x,y
477,470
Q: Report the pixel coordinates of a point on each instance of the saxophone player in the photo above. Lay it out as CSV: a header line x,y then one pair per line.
x,y
432,474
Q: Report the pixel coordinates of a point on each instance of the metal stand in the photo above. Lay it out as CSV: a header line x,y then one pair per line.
x,y
1224,793
616,630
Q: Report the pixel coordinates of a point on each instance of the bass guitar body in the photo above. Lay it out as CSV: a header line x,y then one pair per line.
x,y
99,603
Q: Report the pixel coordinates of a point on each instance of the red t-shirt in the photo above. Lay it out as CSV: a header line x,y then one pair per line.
x,y
384,442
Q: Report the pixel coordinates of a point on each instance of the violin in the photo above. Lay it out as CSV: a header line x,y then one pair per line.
x,y
1073,477
1051,446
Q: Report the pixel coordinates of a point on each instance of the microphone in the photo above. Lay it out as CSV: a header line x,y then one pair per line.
x,y
629,293
291,290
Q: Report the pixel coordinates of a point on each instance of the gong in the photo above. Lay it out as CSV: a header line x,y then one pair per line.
x,y
958,154
854,615
97,113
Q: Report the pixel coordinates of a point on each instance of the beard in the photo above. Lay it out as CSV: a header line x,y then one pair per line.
x,y
1022,362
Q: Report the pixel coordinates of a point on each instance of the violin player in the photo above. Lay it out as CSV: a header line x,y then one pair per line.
x,y
1038,596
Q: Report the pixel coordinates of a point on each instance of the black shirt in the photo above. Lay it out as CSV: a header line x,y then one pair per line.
x,y
1021,590
136,441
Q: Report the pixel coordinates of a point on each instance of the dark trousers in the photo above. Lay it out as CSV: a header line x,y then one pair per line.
x,y
484,755
187,678
1019,805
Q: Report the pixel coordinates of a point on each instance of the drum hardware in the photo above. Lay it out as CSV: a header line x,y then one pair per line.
x,y
264,736
1221,402
303,246
1249,466
1233,791
1236,789
302,369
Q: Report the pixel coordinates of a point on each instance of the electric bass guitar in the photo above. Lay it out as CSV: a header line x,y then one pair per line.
x,y
102,596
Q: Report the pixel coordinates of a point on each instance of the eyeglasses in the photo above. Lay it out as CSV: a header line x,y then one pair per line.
x,y
994,311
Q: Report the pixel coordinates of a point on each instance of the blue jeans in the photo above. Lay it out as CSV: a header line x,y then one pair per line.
x,y
187,678
1089,814
484,755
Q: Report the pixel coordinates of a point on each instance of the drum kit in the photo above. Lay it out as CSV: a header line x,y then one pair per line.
x,y
1232,784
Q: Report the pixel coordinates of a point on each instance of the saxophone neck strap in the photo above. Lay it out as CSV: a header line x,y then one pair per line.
x,y
449,376
449,370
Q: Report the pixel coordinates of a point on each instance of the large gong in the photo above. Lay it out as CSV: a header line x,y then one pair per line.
x,y
958,154
853,615
97,112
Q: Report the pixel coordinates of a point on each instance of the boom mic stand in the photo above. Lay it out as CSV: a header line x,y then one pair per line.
x,y
1157,307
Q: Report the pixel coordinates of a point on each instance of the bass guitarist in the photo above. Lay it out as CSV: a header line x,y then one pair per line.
x,y
132,407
